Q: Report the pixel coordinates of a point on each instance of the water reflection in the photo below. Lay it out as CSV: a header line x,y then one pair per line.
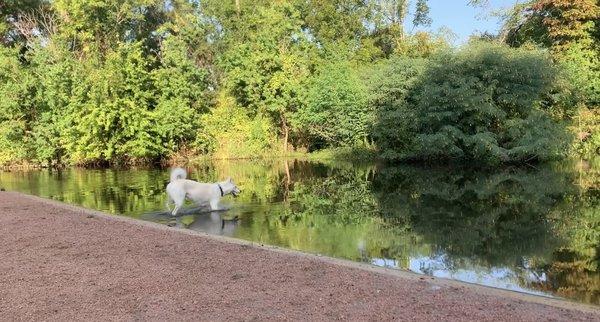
x,y
533,230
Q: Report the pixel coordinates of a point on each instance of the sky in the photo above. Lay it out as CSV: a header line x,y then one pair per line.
x,y
464,20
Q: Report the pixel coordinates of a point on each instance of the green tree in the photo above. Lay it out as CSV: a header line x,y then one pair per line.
x,y
58,72
181,95
336,21
266,73
96,26
17,108
336,111
391,83
111,120
570,29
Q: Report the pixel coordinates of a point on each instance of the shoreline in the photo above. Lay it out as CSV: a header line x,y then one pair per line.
x,y
457,300
341,154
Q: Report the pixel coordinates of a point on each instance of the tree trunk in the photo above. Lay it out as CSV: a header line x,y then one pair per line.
x,y
288,181
286,133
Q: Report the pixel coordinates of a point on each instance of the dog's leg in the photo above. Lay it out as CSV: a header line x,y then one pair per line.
x,y
178,200
214,205
175,210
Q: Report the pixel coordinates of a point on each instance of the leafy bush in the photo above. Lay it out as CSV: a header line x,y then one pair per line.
x,y
336,111
390,87
481,103
228,131
16,107
123,109
181,96
111,119
59,75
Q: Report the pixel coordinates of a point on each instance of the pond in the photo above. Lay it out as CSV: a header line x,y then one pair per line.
x,y
533,229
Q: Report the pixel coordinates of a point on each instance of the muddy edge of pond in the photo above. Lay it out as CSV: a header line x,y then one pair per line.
x,y
65,262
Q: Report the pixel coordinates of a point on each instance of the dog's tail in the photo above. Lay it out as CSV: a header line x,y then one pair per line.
x,y
178,173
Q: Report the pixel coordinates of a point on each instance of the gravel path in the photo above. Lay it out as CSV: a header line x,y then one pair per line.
x,y
61,262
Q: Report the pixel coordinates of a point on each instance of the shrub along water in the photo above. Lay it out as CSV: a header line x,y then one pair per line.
x,y
483,103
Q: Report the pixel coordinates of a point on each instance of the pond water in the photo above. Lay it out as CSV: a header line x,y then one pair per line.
x,y
534,229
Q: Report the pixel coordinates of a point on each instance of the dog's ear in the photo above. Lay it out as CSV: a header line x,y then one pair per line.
x,y
228,179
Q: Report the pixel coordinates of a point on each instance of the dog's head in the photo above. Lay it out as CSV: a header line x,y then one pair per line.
x,y
232,188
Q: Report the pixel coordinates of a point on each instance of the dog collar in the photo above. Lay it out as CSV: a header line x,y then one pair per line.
x,y
221,189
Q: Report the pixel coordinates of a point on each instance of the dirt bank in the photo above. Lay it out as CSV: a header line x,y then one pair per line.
x,y
62,263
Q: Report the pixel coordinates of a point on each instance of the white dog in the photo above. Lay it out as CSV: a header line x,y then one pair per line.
x,y
201,193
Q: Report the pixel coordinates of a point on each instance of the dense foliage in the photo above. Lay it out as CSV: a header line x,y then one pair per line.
x,y
570,30
138,81
336,112
482,103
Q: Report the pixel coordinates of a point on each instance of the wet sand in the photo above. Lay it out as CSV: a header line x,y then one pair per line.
x,y
60,262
